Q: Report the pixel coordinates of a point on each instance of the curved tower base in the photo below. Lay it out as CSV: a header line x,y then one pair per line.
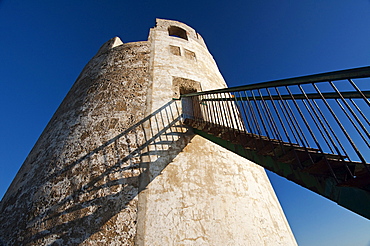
x,y
109,171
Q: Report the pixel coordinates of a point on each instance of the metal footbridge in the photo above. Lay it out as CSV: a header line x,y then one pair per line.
x,y
312,130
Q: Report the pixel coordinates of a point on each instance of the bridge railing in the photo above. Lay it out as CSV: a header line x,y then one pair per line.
x,y
327,112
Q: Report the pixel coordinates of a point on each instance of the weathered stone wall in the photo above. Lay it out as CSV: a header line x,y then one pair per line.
x,y
74,188
206,195
101,175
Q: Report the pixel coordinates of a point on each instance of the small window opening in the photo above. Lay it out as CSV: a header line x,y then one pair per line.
x,y
177,32
186,90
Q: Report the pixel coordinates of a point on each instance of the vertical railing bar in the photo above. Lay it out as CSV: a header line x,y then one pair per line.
x,y
332,141
211,109
264,119
308,128
169,122
160,112
271,118
354,115
359,111
353,123
284,105
177,108
322,134
222,113
203,112
291,122
156,122
254,128
173,119
309,109
254,120
196,108
359,91
227,114
279,116
238,105
214,103
245,113
206,108
280,119
331,129
270,122
232,106
152,131
230,127
296,123
341,126
260,133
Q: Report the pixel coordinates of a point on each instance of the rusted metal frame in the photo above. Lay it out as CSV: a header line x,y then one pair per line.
x,y
314,117
309,129
359,111
358,90
354,73
342,128
354,115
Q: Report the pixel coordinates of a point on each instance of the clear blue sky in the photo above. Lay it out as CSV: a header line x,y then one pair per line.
x,y
45,44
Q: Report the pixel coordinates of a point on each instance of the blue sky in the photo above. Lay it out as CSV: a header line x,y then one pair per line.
x,y
45,44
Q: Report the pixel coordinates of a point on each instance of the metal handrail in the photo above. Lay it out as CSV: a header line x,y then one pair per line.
x,y
354,73
327,112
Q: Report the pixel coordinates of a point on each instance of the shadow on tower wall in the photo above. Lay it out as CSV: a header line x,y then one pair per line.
x,y
100,203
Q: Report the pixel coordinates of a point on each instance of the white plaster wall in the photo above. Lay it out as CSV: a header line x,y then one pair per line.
x,y
206,195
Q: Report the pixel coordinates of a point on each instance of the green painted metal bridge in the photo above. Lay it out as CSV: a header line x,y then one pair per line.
x,y
312,130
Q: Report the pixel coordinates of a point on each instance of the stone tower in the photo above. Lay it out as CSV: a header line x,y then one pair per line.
x,y
115,166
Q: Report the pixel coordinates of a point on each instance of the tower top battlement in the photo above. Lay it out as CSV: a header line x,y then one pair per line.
x,y
178,29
